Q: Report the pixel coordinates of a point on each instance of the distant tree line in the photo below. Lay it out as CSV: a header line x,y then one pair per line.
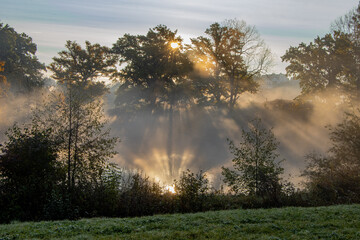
x,y
57,166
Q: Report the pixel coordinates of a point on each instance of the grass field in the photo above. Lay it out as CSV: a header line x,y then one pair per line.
x,y
335,222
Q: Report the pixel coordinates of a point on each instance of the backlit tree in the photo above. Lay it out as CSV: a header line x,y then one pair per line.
x,y
227,61
256,166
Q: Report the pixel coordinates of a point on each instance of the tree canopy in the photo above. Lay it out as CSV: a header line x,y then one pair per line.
x,y
22,68
227,61
83,69
154,72
322,64
329,66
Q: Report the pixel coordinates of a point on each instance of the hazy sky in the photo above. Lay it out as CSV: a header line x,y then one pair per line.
x,y
281,23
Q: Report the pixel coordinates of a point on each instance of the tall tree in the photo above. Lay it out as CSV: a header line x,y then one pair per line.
x,y
85,143
154,71
154,75
257,170
229,59
22,68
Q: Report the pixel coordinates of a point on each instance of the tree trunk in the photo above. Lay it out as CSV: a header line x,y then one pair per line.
x,y
69,140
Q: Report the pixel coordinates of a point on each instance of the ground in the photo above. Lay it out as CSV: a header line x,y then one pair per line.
x,y
334,222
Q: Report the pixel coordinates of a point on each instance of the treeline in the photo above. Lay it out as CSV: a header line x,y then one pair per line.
x,y
35,186
155,70
56,166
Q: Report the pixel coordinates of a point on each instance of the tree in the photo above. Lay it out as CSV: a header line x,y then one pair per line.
x,y
83,70
154,73
29,173
191,189
256,170
329,64
228,60
78,113
331,177
322,65
154,77
350,25
23,70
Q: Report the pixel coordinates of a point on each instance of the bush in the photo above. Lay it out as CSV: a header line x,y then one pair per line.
x,y
191,190
29,173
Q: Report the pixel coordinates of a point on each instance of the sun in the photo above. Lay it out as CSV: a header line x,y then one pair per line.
x,y
170,189
174,45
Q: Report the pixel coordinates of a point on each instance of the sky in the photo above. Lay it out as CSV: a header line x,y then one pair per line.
x,y
281,23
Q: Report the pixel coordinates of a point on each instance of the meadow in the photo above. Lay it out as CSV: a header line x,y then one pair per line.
x,y
333,222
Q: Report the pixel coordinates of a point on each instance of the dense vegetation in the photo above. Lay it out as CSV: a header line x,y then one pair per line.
x,y
56,166
335,222
22,68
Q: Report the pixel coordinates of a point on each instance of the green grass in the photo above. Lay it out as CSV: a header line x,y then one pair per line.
x,y
335,222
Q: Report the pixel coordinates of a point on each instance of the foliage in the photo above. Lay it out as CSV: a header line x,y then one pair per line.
x,y
191,190
227,62
23,70
84,143
78,113
29,173
346,139
331,178
81,69
59,167
256,170
335,222
330,63
4,85
140,196
153,72
322,64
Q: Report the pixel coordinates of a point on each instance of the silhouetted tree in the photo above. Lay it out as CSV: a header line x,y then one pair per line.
x,y
29,173
352,29
329,64
85,143
154,72
191,190
331,178
82,70
322,64
227,61
78,113
22,70
256,170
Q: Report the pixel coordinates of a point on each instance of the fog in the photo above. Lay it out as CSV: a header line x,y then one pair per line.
x,y
163,145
